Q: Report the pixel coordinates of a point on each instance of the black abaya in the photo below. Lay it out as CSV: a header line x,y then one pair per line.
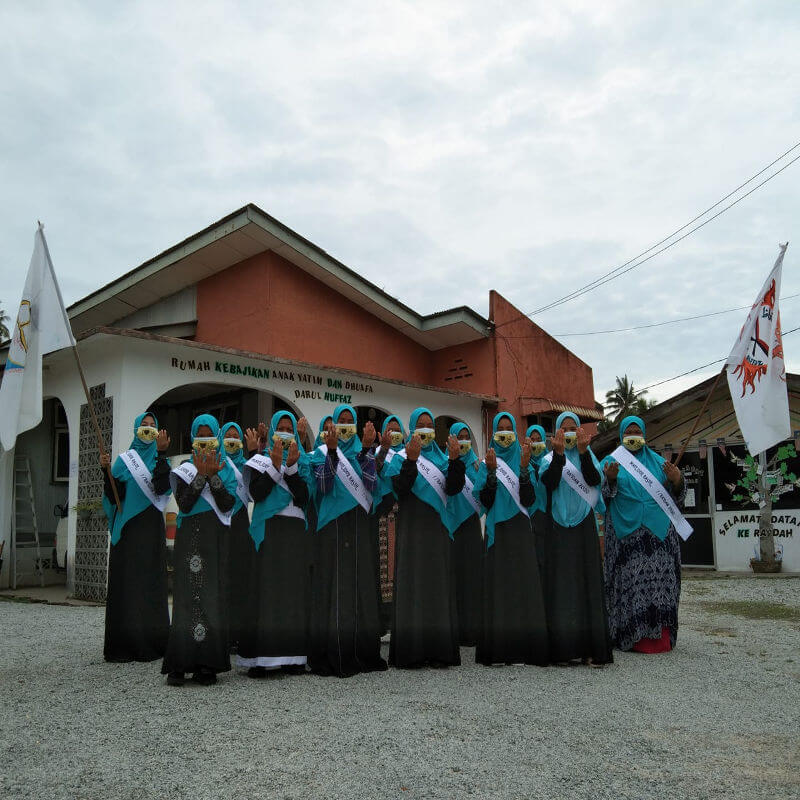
x,y
137,610
425,618
467,561
241,575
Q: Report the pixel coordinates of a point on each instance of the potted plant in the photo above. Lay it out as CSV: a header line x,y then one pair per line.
x,y
86,508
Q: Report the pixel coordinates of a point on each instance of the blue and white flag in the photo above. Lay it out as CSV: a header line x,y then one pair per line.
x,y
42,326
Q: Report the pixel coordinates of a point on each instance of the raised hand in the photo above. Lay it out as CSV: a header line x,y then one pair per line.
x,y
491,459
263,433
105,460
276,454
162,441
213,463
526,455
453,449
673,473
251,440
368,436
201,462
386,440
302,429
293,455
558,442
413,448
611,470
584,437
332,439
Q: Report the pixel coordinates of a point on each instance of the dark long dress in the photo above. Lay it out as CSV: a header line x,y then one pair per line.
x,y
241,576
642,580
573,585
277,629
137,607
467,562
199,636
425,619
514,627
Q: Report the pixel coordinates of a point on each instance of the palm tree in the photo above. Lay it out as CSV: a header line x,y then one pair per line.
x,y
4,334
623,399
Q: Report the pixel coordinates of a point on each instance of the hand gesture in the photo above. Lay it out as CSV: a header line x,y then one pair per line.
x,y
263,433
214,464
294,454
453,448
105,460
584,437
526,455
162,441
673,473
332,439
413,448
611,470
386,439
368,436
491,459
558,442
276,454
302,429
251,440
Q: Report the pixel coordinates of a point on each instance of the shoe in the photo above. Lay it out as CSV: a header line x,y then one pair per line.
x,y
176,679
294,669
205,678
257,672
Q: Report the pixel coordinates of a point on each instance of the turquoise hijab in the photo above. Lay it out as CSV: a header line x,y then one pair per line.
x,y
135,499
321,430
339,500
278,498
459,509
504,507
384,485
632,508
238,460
568,508
226,473
536,463
421,488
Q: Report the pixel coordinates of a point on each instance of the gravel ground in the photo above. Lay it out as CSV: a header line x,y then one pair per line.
x,y
717,718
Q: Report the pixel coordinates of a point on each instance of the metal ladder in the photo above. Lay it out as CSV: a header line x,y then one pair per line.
x,y
24,530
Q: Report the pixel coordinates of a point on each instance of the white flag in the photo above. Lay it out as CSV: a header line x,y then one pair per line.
x,y
756,372
42,326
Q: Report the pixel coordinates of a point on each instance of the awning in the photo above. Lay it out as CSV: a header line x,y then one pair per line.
x,y
543,405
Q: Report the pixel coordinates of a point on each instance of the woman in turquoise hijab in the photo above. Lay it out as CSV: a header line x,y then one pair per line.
x,y
205,490
425,616
345,633
464,523
137,614
573,573
537,438
514,629
642,550
279,482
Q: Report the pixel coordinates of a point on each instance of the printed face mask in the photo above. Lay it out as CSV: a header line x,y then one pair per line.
x,y
147,433
205,444
396,437
464,446
345,431
426,435
232,446
570,439
537,448
633,443
505,438
284,437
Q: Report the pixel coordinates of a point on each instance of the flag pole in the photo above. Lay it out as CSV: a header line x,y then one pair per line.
x,y
700,414
95,423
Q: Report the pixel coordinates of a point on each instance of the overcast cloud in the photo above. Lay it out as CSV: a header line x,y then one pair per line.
x,y
526,147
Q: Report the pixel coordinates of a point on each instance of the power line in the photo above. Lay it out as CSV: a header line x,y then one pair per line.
x,y
650,324
624,268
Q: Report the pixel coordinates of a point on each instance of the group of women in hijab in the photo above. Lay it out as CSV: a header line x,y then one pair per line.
x,y
500,553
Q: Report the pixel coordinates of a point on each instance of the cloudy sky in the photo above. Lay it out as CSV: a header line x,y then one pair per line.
x,y
527,147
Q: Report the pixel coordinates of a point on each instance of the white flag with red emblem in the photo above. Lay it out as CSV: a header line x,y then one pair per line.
x,y
756,372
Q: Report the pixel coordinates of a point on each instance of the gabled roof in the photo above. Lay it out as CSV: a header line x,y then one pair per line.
x,y
245,233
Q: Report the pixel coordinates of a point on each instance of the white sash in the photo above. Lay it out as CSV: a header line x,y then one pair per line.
x,y
264,464
241,489
655,489
351,480
511,482
432,474
144,480
469,497
187,473
575,481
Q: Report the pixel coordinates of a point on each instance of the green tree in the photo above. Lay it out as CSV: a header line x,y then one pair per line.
x,y
624,399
